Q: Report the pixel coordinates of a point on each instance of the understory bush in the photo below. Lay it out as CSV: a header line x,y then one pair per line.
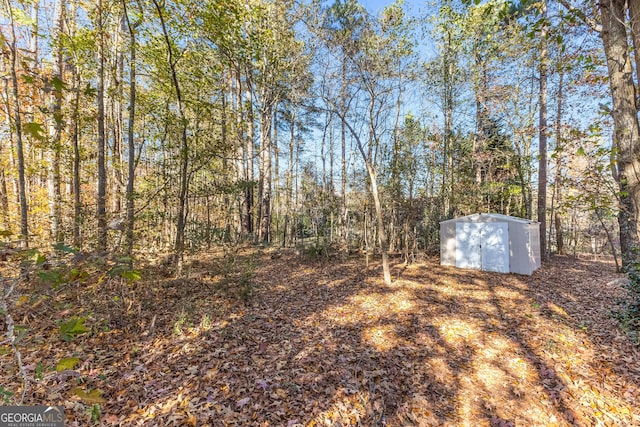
x,y
629,313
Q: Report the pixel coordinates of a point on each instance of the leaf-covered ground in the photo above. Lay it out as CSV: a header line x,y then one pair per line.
x,y
327,344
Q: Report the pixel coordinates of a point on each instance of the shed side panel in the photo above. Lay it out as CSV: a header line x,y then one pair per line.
x,y
534,242
469,245
518,248
495,247
448,243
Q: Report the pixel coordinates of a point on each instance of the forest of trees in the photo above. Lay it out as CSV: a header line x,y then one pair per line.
x,y
198,198
169,126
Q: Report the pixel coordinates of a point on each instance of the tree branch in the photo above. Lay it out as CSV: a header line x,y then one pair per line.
x,y
4,309
595,26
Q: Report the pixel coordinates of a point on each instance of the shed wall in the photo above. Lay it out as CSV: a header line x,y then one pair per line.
x,y
534,245
524,241
519,249
448,243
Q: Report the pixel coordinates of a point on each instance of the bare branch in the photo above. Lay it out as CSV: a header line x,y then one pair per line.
x,y
8,288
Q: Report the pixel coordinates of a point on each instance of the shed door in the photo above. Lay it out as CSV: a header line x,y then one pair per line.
x,y
468,245
495,246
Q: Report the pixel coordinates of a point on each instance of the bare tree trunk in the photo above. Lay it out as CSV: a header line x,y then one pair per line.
x,y
131,159
626,129
276,173
224,136
241,163
289,223
24,223
481,121
249,170
634,13
74,131
408,243
75,138
34,34
56,131
37,153
382,236
4,201
331,154
448,175
559,159
343,139
609,239
4,194
542,129
118,117
184,146
102,170
265,171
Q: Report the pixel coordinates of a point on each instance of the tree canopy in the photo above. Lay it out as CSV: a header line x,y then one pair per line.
x,y
182,124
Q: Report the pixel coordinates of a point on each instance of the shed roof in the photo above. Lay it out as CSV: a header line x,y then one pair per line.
x,y
494,217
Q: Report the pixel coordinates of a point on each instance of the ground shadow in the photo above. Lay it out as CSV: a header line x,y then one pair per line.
x,y
327,343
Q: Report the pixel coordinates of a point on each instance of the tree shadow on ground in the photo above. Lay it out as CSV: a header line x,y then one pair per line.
x,y
326,343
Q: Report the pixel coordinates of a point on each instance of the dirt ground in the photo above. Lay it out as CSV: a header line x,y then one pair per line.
x,y
290,342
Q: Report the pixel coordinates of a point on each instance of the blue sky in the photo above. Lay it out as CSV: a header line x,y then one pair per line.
x,y
375,6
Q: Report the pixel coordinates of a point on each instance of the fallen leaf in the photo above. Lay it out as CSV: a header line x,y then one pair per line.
x,y
91,397
242,402
67,363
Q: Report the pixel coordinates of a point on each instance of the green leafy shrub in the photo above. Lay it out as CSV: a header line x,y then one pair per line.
x,y
629,314
73,327
55,278
237,275
122,268
5,395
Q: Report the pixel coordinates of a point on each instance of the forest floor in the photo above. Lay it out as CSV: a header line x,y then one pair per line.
x,y
248,340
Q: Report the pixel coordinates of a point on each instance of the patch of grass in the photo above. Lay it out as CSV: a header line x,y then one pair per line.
x,y
237,275
5,395
205,323
95,413
39,370
182,322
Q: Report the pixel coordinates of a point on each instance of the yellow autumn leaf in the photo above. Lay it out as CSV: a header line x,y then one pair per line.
x,y
23,299
67,363
92,397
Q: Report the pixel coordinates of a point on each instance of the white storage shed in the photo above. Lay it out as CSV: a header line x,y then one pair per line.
x,y
491,242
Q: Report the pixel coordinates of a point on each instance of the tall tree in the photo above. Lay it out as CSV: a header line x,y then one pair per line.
x,y
634,18
446,78
4,192
101,157
75,124
375,193
557,218
343,25
626,129
17,121
542,129
58,121
131,158
375,56
172,61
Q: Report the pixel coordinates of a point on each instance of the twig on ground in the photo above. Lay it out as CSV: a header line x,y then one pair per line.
x,y
8,288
